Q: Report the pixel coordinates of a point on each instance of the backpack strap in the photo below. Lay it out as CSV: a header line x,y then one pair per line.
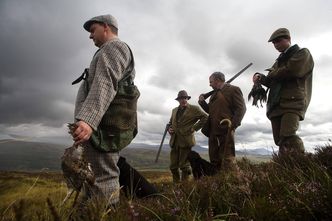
x,y
127,76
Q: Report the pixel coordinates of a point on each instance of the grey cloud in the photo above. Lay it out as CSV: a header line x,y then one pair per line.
x,y
176,44
316,116
323,65
35,76
170,75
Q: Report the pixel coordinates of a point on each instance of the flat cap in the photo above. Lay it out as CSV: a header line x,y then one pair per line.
x,y
279,33
107,19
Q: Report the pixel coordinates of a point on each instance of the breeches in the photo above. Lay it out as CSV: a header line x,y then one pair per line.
x,y
218,151
106,171
178,157
284,130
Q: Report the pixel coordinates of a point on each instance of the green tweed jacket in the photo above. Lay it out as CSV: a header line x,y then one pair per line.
x,y
184,128
290,83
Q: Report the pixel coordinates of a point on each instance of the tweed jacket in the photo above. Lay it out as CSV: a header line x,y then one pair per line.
x,y
192,120
226,103
107,68
290,83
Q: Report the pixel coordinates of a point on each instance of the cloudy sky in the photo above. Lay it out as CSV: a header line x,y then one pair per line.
x,y
176,44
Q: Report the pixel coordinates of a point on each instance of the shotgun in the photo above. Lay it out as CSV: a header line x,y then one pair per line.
x,y
229,81
162,141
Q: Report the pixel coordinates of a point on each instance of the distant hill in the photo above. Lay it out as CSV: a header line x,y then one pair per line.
x,y
166,147
257,151
26,156
34,156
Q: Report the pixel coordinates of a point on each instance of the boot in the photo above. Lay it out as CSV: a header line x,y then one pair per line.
x,y
176,175
293,144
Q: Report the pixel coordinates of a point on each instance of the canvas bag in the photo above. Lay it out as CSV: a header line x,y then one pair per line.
x,y
119,124
120,120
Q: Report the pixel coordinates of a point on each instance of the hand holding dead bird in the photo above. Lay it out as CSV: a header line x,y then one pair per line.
x,y
81,132
76,170
258,93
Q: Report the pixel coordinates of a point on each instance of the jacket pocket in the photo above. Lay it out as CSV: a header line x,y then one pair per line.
x,y
292,99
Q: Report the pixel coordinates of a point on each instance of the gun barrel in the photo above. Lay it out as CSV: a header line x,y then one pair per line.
x,y
162,142
240,72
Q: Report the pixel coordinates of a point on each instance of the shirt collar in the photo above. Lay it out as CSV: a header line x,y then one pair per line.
x,y
287,49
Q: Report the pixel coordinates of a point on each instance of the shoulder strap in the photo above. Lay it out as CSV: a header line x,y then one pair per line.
x,y
128,76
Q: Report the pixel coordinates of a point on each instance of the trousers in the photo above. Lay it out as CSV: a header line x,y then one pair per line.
x,y
219,151
284,130
106,171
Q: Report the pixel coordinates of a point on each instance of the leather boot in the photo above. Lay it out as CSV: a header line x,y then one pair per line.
x,y
293,144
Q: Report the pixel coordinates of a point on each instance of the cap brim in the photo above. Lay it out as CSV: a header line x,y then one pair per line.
x,y
88,24
278,36
178,98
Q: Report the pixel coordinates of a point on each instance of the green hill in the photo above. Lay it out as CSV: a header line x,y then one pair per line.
x,y
18,155
29,156
34,156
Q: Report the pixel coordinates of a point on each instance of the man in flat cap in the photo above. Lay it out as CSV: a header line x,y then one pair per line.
x,y
185,120
226,109
290,82
106,107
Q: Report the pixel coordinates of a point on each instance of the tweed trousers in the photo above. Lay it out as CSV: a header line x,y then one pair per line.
x,y
106,171
284,130
217,153
178,158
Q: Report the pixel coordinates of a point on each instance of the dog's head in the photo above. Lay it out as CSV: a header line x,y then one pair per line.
x,y
193,156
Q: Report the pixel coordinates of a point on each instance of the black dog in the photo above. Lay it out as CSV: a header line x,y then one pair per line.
x,y
199,166
132,182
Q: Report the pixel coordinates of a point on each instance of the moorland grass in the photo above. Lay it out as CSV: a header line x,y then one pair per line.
x,y
289,187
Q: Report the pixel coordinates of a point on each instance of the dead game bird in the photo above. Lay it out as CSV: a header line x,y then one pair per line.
x,y
76,170
258,93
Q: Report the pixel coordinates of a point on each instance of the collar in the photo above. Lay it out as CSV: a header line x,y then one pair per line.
x,y
182,108
287,49
108,41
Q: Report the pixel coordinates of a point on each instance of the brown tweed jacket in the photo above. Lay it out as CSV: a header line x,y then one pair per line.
x,y
226,103
192,120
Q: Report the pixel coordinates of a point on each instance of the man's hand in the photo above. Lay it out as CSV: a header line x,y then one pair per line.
x,y
82,132
256,78
170,130
201,98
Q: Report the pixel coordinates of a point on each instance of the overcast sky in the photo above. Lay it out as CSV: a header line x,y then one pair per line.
x,y
176,44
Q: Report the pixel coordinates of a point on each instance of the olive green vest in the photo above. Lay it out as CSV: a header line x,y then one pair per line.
x,y
118,126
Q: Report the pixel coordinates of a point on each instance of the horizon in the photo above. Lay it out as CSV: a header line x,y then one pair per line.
x,y
132,145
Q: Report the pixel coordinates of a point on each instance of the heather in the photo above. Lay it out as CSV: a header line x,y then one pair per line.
x,y
291,187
